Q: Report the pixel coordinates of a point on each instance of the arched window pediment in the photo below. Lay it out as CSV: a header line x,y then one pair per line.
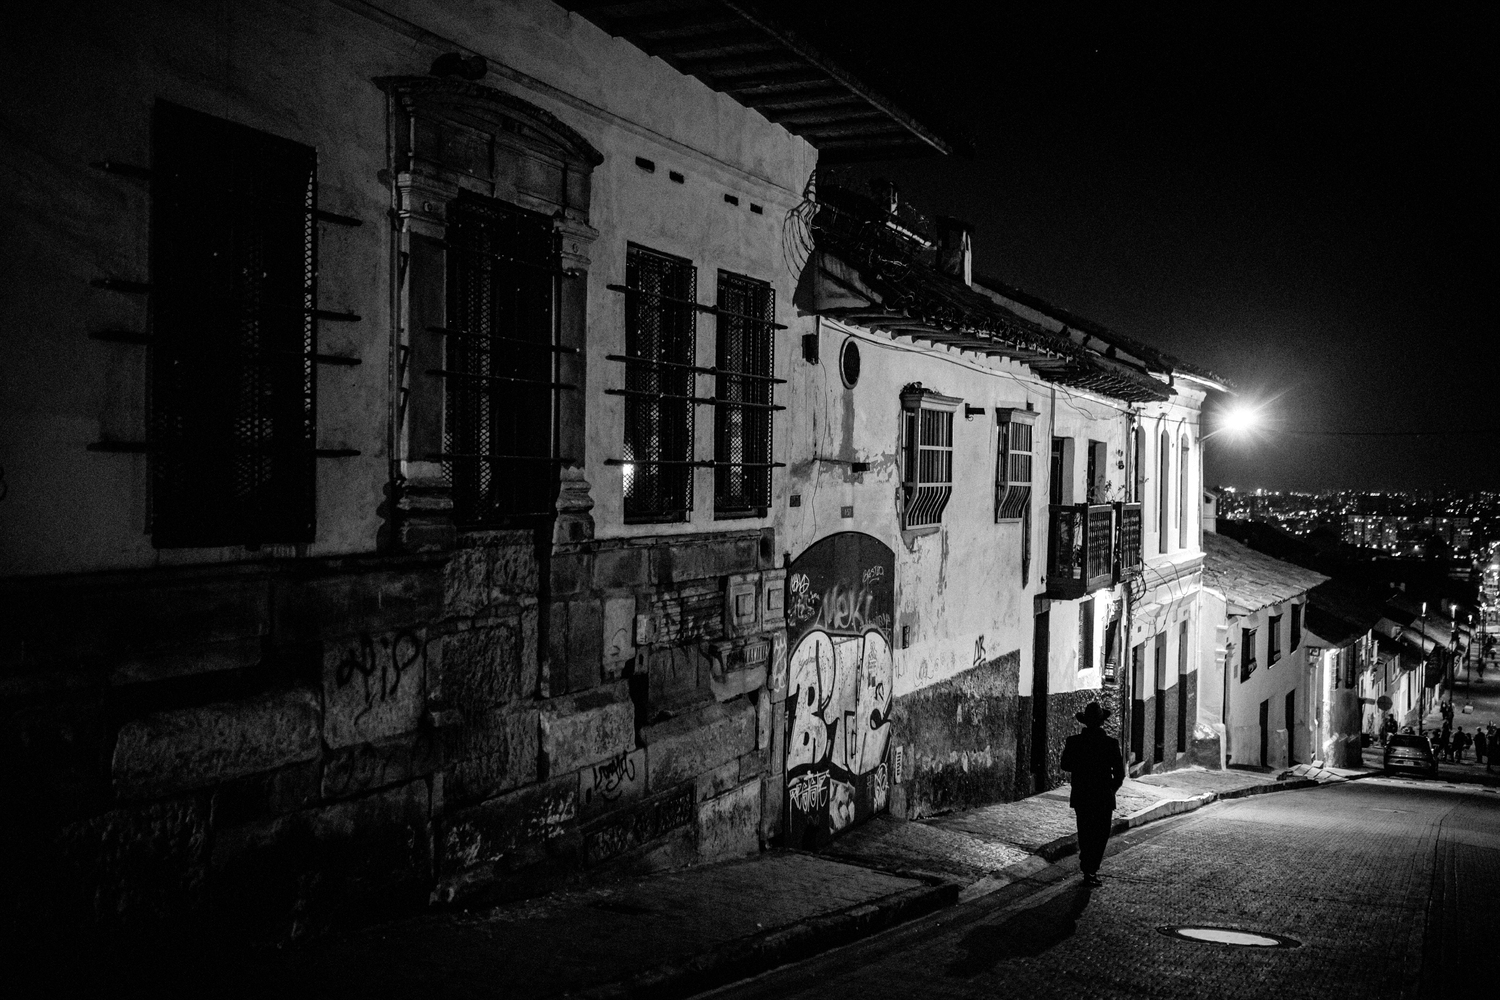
x,y
485,109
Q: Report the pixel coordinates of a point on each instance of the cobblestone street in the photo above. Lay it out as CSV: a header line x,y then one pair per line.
x,y
1373,878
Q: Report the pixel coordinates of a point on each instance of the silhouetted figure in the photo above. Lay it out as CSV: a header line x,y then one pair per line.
x,y
1460,744
1481,748
1387,730
1093,759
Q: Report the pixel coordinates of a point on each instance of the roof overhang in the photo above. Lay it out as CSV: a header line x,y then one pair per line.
x,y
739,50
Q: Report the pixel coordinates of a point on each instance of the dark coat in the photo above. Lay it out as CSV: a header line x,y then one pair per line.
x,y
1093,759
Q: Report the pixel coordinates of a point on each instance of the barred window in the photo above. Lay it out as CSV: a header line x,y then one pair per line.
x,y
927,438
232,405
500,362
660,333
1013,468
742,397
1273,640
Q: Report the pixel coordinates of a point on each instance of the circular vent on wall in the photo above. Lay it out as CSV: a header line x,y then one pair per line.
x,y
849,363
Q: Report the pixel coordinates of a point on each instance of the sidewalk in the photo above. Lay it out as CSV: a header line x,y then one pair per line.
x,y
672,934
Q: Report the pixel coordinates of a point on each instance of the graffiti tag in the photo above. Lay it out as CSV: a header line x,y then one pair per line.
x,y
379,666
611,776
809,792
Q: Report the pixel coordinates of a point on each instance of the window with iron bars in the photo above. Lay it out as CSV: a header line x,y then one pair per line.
x,y
660,346
1013,477
500,363
927,441
742,395
232,353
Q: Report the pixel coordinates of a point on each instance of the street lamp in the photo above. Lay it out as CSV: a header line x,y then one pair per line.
x,y
1469,660
1422,668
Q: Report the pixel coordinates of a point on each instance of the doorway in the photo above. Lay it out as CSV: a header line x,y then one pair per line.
x,y
1041,633
1265,734
1291,727
1137,704
1158,750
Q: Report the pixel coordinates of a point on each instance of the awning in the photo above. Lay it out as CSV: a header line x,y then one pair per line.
x,y
740,50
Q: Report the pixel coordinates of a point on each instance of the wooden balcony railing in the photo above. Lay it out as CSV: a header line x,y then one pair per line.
x,y
1128,517
1080,549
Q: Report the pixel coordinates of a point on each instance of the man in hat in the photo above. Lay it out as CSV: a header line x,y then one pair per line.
x,y
1093,758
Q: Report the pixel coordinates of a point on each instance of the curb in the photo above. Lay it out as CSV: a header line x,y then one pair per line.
x,y
1052,850
748,956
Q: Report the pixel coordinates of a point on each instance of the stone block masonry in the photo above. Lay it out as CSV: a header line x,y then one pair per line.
x,y
191,748
481,737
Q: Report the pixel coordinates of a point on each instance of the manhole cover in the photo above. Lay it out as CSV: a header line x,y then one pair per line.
x,y
1231,936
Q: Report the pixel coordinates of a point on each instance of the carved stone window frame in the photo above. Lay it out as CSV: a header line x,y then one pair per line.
x,y
447,136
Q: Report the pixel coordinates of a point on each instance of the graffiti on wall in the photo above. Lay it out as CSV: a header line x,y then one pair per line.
x,y
840,601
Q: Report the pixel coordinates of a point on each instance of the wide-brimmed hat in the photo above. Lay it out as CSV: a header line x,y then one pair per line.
x,y
1093,714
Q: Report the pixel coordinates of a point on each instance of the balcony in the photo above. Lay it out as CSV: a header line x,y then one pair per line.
x,y
1081,549
1128,516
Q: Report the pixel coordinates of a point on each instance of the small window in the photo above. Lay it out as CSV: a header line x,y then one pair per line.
x,y
927,443
1248,662
1296,639
1059,473
742,397
1273,640
849,363
1098,485
1086,634
1013,464
660,341
232,408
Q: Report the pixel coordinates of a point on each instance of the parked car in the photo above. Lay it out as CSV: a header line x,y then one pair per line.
x,y
1410,753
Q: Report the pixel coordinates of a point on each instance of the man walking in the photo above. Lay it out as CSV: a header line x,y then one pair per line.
x,y
1093,759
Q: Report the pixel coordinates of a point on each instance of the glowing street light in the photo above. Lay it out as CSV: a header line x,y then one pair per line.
x,y
1240,419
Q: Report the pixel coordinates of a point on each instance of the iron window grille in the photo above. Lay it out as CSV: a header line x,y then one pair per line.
x,y
1013,469
1273,639
500,399
927,467
1247,653
1013,477
742,397
232,354
661,332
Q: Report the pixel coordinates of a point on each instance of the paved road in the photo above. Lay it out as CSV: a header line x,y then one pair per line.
x,y
1378,880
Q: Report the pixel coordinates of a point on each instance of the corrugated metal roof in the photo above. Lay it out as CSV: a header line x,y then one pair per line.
x,y
1250,580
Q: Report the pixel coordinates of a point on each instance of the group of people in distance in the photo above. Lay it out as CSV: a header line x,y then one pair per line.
x,y
1451,744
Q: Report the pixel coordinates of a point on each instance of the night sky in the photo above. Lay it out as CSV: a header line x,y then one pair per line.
x,y
1302,199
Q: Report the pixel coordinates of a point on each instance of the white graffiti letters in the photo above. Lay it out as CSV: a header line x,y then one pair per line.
x,y
809,792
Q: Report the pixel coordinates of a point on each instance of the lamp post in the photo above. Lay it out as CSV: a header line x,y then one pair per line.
x,y
1469,661
1422,668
